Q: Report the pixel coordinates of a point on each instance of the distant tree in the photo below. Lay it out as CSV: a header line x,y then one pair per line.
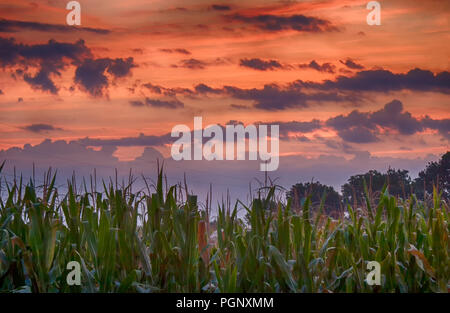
x,y
316,190
435,174
398,181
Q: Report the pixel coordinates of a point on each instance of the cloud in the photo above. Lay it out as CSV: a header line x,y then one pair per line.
x,y
220,7
170,92
9,26
234,176
154,88
261,65
386,81
274,23
121,67
392,116
53,57
168,104
1,92
442,126
50,58
41,81
365,127
239,106
203,89
91,74
301,94
273,97
358,134
141,140
178,50
296,127
193,64
137,103
324,68
352,64
39,128
51,53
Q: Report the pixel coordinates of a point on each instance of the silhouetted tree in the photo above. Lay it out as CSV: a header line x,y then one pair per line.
x,y
398,181
435,174
316,190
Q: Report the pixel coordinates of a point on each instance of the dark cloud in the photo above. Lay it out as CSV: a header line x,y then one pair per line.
x,y
154,88
39,128
392,116
50,58
137,103
273,97
203,89
170,92
1,92
10,26
178,50
141,140
365,127
220,7
386,81
325,67
261,65
41,81
53,57
223,175
193,64
168,104
301,94
121,67
296,127
352,64
357,134
270,97
300,23
239,106
51,54
91,74
345,71
442,126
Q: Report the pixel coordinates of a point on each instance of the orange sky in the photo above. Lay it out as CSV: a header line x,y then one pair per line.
x,y
216,37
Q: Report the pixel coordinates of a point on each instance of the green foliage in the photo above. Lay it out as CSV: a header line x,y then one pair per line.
x,y
154,242
398,181
435,174
319,194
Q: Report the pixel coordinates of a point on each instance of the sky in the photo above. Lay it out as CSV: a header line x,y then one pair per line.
x,y
348,96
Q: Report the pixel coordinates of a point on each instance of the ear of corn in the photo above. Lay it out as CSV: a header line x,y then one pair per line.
x,y
155,242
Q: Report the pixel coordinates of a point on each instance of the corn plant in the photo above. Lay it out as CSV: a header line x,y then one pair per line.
x,y
159,240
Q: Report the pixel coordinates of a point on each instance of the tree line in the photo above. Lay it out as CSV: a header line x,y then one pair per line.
x,y
399,183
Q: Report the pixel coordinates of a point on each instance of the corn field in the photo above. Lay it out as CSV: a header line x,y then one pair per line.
x,y
159,240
